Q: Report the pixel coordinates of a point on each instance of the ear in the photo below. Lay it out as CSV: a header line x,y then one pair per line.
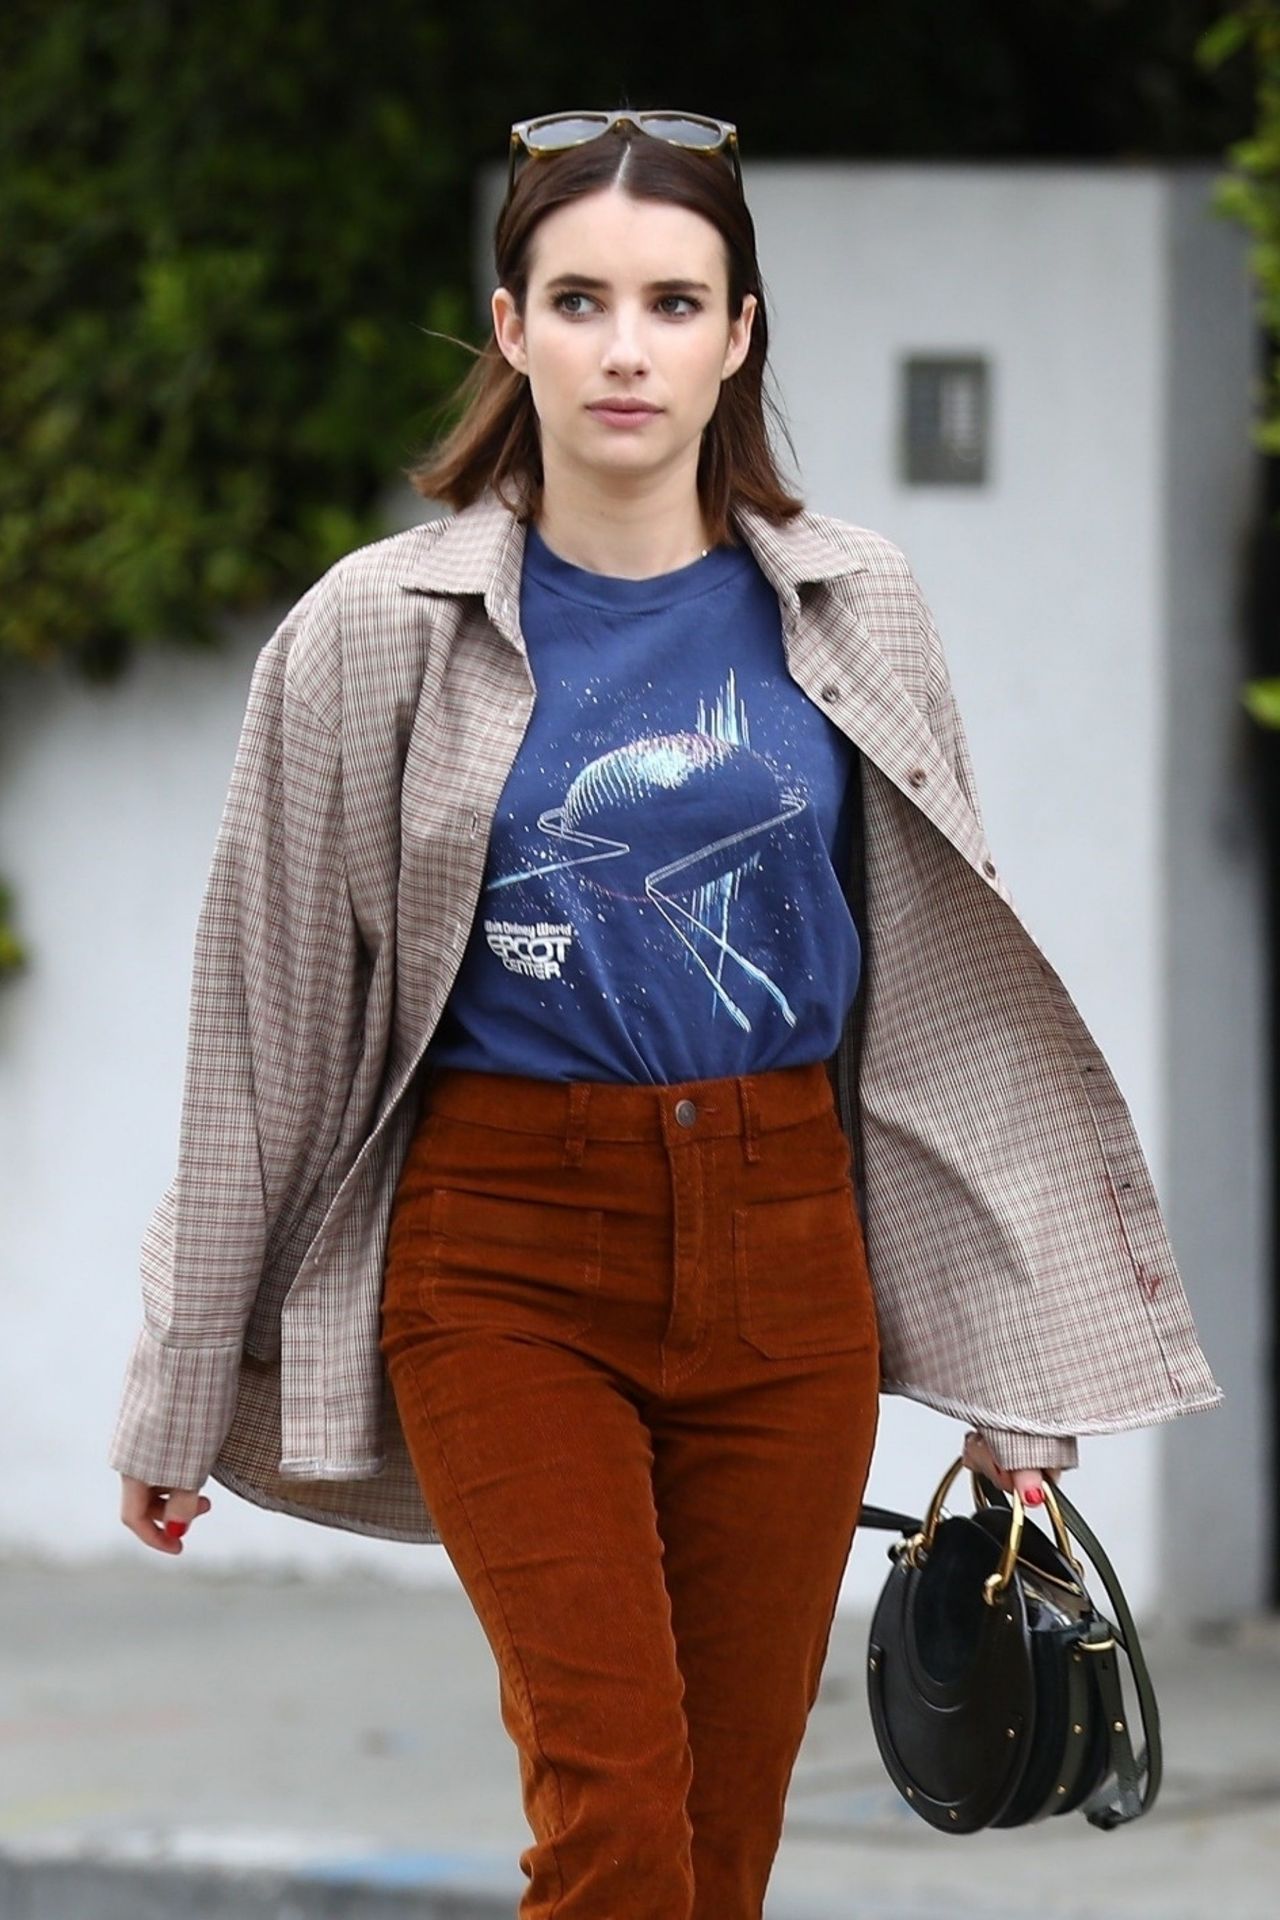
x,y
739,337
508,329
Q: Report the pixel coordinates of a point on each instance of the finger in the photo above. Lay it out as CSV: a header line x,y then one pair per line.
x,y
161,1515
176,1526
141,1509
183,1506
984,1461
145,1517
992,1468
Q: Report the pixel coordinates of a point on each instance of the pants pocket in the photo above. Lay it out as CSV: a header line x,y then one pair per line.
x,y
801,1279
496,1260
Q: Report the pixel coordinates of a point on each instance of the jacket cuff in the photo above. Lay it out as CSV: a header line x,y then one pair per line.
x,y
1015,1451
175,1411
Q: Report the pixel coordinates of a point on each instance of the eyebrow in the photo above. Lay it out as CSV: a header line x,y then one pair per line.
x,y
589,282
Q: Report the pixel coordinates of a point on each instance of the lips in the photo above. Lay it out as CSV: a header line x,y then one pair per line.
x,y
621,406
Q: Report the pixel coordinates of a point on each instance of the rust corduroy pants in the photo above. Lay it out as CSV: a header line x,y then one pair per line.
x,y
632,1340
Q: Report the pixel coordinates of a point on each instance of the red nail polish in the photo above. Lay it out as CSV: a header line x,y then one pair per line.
x,y
1033,1496
176,1528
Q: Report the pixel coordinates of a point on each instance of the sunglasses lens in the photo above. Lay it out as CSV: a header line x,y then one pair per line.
x,y
545,136
687,133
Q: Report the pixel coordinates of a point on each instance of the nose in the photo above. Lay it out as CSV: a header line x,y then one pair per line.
x,y
625,352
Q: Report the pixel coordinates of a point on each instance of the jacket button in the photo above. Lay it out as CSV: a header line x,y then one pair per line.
x,y
831,693
686,1112
989,866
917,776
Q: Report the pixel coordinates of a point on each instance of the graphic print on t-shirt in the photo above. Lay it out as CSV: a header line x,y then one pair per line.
x,y
661,897
674,819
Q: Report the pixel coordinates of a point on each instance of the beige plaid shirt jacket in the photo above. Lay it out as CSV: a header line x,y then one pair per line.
x,y
1023,1275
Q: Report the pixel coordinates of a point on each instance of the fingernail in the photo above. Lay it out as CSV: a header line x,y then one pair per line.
x,y
1033,1496
176,1528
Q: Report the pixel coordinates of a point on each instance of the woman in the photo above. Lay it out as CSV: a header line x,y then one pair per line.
x,y
586,1151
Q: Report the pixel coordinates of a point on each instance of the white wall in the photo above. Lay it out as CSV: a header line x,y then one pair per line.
x,y
1087,599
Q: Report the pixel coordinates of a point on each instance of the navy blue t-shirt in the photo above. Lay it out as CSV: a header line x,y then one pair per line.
x,y
661,897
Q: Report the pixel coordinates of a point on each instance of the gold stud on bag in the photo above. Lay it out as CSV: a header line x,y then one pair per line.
x,y
992,1677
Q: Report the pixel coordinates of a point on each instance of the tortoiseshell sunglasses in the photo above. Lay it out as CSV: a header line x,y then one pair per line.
x,y
552,132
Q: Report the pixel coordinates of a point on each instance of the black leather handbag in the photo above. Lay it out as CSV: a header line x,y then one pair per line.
x,y
993,1678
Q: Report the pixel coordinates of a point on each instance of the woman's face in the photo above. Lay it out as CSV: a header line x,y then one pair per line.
x,y
627,299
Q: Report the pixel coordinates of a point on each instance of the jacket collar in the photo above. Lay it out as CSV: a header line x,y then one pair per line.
x,y
481,550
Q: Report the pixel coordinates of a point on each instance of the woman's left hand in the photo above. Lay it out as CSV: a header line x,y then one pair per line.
x,y
1025,1480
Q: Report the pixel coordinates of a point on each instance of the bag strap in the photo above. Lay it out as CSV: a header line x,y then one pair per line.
x,y
1101,1808
886,1517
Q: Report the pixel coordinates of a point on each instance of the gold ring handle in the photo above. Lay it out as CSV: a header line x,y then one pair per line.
x,y
918,1545
1055,1515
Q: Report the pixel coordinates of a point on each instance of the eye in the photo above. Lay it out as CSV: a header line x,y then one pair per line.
x,y
686,297
557,298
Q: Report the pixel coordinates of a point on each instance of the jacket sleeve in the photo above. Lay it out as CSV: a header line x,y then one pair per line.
x,y
1011,1448
274,998
1014,1450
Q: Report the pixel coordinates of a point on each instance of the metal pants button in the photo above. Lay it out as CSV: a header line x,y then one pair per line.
x,y
686,1112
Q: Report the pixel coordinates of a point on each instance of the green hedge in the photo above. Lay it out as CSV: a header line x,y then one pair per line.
x,y
1250,194
229,226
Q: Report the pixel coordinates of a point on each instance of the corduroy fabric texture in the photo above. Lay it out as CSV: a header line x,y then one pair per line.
x,y
632,1337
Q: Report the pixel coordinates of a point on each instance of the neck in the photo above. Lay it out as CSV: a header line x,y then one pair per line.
x,y
632,536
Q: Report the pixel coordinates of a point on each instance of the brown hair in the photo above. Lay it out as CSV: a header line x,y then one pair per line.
x,y
495,437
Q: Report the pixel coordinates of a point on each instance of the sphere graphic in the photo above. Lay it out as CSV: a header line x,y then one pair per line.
x,y
668,798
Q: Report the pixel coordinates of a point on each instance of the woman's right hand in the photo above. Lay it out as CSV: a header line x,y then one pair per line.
x,y
150,1512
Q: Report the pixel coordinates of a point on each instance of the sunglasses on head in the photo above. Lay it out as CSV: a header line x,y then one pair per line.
x,y
553,132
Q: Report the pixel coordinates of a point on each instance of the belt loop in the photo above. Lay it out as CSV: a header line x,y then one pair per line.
x,y
750,1143
575,1133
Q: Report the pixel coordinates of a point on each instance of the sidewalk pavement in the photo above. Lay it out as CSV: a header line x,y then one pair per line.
x,y
175,1742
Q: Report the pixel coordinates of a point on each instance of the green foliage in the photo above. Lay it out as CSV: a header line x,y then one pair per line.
x,y
13,956
1251,195
225,236
1261,699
